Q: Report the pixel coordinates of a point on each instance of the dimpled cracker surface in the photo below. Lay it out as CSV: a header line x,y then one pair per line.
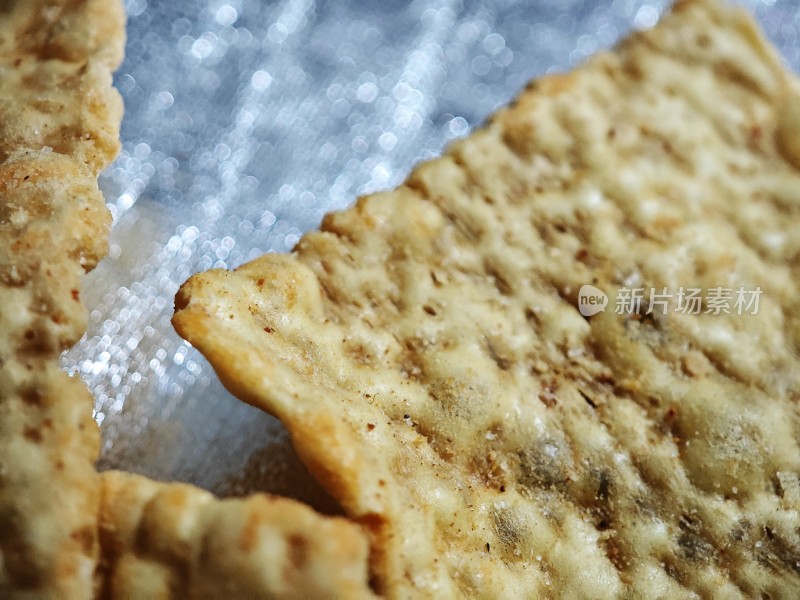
x,y
425,351
59,120
56,58
173,540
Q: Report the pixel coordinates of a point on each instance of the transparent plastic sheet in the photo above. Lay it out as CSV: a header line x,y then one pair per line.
x,y
246,121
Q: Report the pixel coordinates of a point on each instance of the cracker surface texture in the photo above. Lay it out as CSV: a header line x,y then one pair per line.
x,y
425,350
59,122
173,540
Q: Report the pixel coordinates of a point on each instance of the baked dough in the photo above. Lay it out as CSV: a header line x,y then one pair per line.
x,y
173,540
426,352
59,123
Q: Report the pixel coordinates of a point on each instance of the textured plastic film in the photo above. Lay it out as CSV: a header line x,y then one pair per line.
x,y
246,121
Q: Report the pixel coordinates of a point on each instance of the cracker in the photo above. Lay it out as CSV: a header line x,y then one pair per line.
x,y
173,540
425,351
59,122
56,58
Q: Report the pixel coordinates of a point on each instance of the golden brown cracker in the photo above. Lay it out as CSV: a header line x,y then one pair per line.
x,y
56,59
426,352
59,124
177,541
